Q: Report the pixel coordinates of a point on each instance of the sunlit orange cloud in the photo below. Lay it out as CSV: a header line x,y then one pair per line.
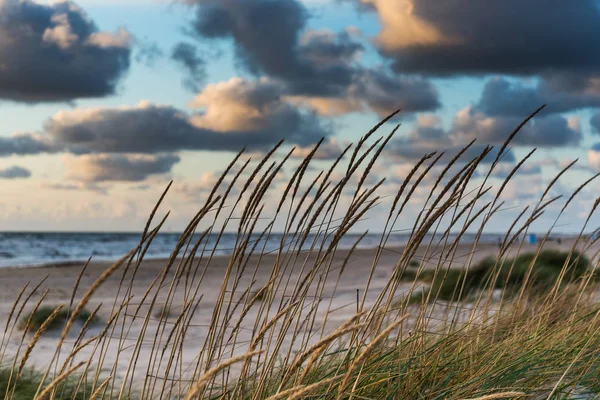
x,y
327,106
402,28
233,105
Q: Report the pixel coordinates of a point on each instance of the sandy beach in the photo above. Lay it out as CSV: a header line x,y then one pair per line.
x,y
338,299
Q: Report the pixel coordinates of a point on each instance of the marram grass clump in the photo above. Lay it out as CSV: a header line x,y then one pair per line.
x,y
540,272
34,320
282,338
30,381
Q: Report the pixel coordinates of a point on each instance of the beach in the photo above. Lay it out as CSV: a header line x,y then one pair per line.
x,y
337,294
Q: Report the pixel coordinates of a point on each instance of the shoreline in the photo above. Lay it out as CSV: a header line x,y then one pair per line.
x,y
67,263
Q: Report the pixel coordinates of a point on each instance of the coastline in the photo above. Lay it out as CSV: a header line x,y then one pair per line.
x,y
37,249
339,296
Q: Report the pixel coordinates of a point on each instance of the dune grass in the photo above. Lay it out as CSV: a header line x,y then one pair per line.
x,y
29,381
541,271
277,338
34,320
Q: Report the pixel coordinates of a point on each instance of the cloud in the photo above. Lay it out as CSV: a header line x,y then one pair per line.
x,y
319,68
560,164
503,170
412,150
385,93
458,37
207,182
502,97
93,168
526,190
329,150
594,157
324,48
402,27
254,113
595,123
148,52
263,28
229,116
54,52
76,186
548,131
379,92
202,186
396,175
24,144
14,172
141,187
428,135
186,55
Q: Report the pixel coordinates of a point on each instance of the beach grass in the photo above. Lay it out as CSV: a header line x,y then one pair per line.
x,y
34,320
30,380
518,325
541,271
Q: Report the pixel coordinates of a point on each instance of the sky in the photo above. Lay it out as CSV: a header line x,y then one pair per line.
x,y
104,102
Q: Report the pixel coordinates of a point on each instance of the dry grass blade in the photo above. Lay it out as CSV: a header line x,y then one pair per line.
x,y
362,356
100,388
300,391
14,307
199,386
88,294
513,134
505,395
36,338
44,393
344,329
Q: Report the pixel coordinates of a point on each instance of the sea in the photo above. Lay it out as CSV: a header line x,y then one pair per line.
x,y
43,248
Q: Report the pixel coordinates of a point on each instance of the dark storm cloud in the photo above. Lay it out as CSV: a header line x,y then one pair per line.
x,y
266,34
119,167
14,172
186,55
321,67
595,123
511,37
502,97
55,53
